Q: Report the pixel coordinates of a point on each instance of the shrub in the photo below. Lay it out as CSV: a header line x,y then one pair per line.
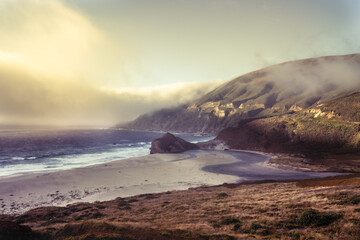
x,y
123,205
13,231
264,232
165,203
229,221
354,200
85,228
236,227
294,235
312,217
100,206
149,196
222,195
255,226
346,199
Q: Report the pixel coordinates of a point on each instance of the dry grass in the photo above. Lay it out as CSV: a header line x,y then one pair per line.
x,y
340,180
320,209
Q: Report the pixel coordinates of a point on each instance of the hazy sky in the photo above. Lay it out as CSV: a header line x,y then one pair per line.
x,y
104,61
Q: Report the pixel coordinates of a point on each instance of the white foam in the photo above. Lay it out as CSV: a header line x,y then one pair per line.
x,y
11,170
75,161
203,139
120,150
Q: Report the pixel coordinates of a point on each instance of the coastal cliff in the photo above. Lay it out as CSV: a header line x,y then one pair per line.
x,y
273,91
327,134
307,108
331,127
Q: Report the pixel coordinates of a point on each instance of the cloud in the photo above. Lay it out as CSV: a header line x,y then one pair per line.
x,y
49,37
31,98
54,64
58,67
314,77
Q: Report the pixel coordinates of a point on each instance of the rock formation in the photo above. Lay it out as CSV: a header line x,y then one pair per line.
x,y
171,144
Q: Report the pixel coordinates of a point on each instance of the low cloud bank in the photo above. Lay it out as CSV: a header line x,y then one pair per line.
x,y
314,77
29,98
54,64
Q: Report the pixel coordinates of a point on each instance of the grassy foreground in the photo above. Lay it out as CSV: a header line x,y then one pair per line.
x,y
326,208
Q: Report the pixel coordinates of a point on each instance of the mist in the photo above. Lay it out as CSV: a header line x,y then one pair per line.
x,y
62,63
313,77
32,98
58,68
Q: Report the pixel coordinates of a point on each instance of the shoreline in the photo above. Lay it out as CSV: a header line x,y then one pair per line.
x,y
257,168
122,178
154,173
202,211
345,163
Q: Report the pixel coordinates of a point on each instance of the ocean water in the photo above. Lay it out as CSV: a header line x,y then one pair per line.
x,y
28,151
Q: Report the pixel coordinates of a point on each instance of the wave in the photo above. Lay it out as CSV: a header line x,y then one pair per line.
x,y
28,152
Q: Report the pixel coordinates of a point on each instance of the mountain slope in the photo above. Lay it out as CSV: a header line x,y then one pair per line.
x,y
327,134
275,90
323,127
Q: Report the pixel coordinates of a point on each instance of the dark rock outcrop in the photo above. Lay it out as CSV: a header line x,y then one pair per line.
x,y
171,144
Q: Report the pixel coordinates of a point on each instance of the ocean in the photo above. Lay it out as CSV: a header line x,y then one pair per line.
x,y
27,151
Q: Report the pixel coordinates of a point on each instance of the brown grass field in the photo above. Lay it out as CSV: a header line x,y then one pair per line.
x,y
327,208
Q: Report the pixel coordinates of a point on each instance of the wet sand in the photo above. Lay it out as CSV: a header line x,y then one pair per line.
x,y
253,166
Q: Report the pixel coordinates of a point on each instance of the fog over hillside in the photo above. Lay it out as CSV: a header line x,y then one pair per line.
x,y
278,89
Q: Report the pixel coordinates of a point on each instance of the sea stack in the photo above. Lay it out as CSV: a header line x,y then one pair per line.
x,y
171,144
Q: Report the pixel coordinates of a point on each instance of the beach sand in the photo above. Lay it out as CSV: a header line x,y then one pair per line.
x,y
128,177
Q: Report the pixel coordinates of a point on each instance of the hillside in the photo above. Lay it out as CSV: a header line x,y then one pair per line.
x,y
333,126
323,132
308,209
272,91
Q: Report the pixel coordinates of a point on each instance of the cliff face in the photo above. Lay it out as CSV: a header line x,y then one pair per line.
x,y
331,127
272,91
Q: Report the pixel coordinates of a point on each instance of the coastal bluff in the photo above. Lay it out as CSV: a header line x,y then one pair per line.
x,y
171,144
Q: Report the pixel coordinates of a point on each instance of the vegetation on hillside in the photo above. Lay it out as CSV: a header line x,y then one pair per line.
x,y
326,208
272,91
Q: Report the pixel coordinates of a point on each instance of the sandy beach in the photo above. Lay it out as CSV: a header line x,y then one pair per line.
x,y
122,178
140,175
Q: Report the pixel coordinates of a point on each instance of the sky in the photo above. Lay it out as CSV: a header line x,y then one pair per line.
x,y
100,62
